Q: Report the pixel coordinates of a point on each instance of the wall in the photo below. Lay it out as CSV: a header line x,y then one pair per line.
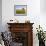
x,y
36,13
0,15
43,14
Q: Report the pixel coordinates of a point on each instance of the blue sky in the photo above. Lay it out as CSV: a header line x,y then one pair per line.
x,y
20,6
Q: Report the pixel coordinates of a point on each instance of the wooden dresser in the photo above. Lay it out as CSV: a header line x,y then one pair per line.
x,y
22,33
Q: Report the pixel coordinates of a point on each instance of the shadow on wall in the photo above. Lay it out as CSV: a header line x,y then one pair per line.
x,y
0,23
0,15
43,6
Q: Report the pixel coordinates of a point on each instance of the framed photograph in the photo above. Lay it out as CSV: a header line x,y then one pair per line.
x,y
20,10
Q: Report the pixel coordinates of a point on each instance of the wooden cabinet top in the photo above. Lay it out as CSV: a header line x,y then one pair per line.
x,y
20,23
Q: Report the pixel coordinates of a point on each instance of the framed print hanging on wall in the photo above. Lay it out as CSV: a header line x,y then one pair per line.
x,y
20,10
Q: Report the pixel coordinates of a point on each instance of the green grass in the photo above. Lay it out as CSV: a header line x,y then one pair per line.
x,y
18,11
